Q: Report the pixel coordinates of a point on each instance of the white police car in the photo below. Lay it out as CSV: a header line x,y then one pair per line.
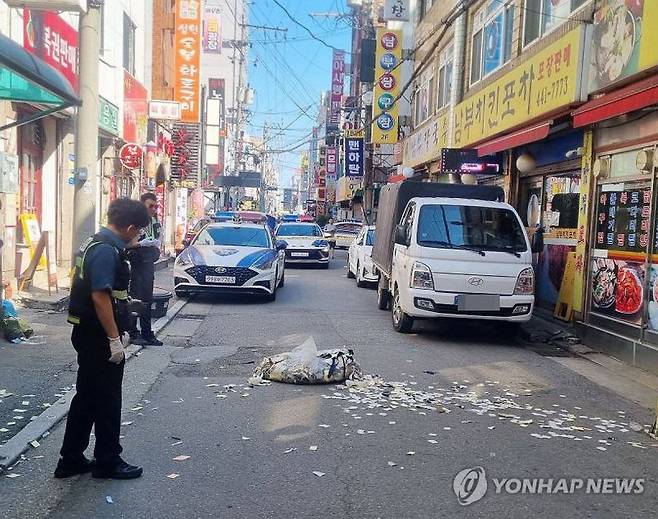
x,y
231,257
305,243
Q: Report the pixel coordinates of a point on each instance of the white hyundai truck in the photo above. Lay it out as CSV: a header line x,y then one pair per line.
x,y
452,251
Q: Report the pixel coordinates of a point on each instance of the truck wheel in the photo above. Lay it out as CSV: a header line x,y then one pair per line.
x,y
402,322
383,296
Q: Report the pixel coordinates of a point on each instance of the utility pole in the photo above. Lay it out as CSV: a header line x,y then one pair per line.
x,y
86,139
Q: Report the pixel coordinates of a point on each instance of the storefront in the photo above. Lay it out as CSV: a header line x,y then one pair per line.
x,y
547,196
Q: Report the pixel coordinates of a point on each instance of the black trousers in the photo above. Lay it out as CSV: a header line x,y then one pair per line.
x,y
97,400
141,287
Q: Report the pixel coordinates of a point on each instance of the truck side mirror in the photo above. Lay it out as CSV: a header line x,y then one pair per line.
x,y
401,235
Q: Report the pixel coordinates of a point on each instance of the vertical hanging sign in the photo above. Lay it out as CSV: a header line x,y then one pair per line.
x,y
337,82
187,46
387,86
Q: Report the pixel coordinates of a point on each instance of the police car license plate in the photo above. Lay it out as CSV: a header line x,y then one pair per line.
x,y
227,280
299,254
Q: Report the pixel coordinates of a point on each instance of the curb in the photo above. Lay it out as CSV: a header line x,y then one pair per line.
x,y
11,451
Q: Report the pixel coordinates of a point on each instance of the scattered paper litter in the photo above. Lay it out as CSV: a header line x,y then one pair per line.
x,y
25,402
432,441
182,457
34,443
176,443
292,449
173,476
410,453
313,448
13,475
246,438
324,425
318,473
602,448
212,385
635,426
126,423
392,464
222,396
109,499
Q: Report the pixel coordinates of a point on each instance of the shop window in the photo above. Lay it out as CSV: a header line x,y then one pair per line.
x,y
542,16
445,78
129,30
491,43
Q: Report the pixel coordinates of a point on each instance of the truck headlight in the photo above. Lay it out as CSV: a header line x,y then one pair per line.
x,y
525,283
421,277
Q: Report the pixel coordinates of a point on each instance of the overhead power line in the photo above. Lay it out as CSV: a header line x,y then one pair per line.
x,y
300,24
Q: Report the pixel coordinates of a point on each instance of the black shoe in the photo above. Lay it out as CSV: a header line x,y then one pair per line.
x,y
151,340
66,469
138,340
120,470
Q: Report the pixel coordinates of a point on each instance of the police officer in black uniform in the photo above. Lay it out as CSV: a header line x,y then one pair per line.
x,y
99,313
142,259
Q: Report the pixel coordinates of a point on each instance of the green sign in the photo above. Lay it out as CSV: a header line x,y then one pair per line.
x,y
108,116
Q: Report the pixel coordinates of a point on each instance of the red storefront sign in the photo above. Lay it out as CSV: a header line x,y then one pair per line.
x,y
131,156
135,110
337,81
49,37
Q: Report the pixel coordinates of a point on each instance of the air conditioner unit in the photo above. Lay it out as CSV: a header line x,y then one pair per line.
x,y
78,6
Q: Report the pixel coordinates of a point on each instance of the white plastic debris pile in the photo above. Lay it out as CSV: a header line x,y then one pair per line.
x,y
306,365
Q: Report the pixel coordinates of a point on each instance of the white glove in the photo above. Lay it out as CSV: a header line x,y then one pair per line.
x,y
116,350
149,243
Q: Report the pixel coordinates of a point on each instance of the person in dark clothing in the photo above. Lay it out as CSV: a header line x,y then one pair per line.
x,y
142,260
98,310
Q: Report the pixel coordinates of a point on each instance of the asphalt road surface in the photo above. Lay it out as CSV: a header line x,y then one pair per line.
x,y
506,408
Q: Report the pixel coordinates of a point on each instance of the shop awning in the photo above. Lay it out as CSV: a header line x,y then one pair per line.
x,y
26,78
518,138
633,97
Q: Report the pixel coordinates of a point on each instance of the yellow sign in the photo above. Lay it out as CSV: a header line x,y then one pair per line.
x,y
547,81
583,211
32,234
354,134
425,144
564,306
387,86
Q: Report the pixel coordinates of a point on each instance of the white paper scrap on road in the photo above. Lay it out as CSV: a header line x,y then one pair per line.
x,y
35,443
246,438
392,464
318,473
182,457
313,448
109,499
12,475
292,449
173,476
306,365
410,453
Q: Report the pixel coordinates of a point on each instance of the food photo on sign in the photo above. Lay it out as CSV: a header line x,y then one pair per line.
x,y
618,288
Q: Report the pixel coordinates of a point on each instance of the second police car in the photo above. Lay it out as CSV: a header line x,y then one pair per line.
x,y
305,243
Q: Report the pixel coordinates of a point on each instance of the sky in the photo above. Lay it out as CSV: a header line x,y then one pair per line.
x,y
289,71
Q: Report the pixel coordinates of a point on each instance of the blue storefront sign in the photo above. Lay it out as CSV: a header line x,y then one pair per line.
x,y
354,151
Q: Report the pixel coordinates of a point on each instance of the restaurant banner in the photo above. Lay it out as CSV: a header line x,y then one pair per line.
x,y
547,81
212,36
625,41
337,83
49,37
583,219
387,86
187,59
135,110
426,143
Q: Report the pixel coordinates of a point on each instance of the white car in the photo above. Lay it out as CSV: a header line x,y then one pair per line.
x,y
345,233
231,257
359,257
304,243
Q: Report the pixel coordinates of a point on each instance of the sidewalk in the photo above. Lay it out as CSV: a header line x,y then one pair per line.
x,y
36,373
544,332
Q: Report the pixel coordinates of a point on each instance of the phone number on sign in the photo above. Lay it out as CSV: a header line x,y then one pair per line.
x,y
559,87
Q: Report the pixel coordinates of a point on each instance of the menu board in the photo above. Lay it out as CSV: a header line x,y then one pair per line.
x,y
618,289
624,220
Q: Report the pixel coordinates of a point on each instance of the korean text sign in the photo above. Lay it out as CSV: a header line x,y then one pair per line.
x,y
426,143
396,10
387,86
187,46
49,37
354,157
547,81
212,36
337,81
